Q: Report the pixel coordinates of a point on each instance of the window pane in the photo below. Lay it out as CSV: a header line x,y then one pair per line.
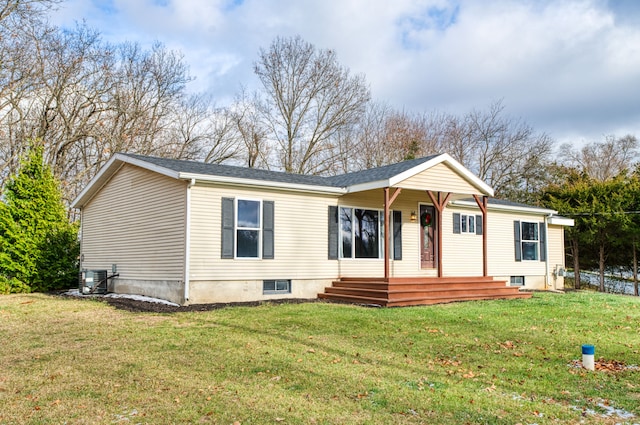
x,y
529,250
248,214
529,231
472,224
463,223
269,285
517,281
366,233
282,285
346,231
248,243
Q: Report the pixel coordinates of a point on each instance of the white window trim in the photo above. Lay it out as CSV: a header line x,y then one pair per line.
x,y
236,228
353,245
467,219
523,240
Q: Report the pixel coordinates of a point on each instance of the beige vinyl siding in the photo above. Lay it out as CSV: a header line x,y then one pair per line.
x,y
300,236
462,253
555,240
440,178
501,245
136,221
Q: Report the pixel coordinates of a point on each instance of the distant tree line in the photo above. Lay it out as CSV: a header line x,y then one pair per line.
x,y
599,187
73,100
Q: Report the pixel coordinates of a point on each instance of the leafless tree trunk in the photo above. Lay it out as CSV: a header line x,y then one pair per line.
x,y
635,270
601,265
309,98
251,131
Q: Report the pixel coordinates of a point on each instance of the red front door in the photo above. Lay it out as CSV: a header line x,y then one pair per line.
x,y
428,237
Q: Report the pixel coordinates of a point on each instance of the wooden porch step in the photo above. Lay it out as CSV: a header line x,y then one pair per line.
x,y
445,300
415,285
397,294
355,299
419,290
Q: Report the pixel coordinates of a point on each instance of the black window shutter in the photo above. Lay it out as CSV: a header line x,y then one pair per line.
x,y
516,236
479,225
456,222
333,233
397,235
543,242
267,230
228,220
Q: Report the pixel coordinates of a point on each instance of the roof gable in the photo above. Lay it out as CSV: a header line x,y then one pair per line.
x,y
379,177
393,175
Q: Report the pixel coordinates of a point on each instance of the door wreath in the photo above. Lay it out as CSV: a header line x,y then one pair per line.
x,y
426,219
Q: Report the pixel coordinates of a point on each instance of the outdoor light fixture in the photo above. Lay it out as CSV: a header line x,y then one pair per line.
x,y
413,216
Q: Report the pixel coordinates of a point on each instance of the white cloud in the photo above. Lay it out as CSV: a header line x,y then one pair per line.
x,y
570,67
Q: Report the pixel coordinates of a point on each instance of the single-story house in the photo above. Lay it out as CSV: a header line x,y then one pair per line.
x,y
418,232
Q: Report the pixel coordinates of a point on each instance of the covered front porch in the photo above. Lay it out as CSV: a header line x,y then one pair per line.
x,y
423,263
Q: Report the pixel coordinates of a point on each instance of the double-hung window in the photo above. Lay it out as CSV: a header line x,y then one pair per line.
x,y
530,241
248,228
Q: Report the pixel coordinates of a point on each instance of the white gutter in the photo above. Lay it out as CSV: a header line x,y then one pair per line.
x,y
236,181
187,248
518,208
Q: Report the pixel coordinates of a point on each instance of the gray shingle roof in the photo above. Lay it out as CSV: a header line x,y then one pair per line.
x,y
378,173
344,180
195,167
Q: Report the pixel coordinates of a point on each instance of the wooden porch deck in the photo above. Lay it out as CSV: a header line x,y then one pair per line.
x,y
408,291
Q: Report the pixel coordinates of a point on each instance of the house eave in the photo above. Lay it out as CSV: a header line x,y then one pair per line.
x,y
234,181
514,208
558,220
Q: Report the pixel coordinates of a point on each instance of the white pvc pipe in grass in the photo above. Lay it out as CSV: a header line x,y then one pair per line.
x,y
588,352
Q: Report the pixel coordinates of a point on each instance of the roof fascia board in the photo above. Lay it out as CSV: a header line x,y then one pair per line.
x,y
459,168
151,167
415,170
529,210
264,184
110,168
91,189
361,187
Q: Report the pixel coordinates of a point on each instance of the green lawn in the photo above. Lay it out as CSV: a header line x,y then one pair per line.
x,y
495,362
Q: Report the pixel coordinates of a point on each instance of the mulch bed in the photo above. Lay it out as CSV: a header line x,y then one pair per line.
x,y
138,306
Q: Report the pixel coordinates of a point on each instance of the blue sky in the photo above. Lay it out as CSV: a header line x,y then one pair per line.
x,y
570,68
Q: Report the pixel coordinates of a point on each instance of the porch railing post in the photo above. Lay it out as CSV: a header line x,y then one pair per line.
x,y
482,204
386,233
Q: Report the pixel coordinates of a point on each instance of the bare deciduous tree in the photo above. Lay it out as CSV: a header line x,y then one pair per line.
x,y
603,160
251,131
309,98
87,100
